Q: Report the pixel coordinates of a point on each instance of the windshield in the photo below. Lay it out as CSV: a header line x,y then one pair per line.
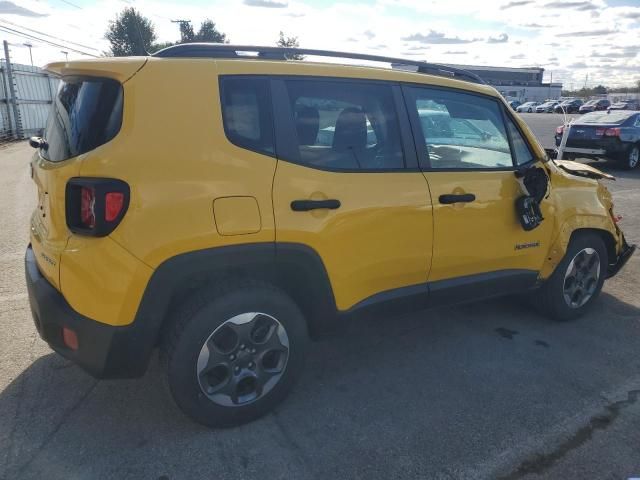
x,y
604,117
86,113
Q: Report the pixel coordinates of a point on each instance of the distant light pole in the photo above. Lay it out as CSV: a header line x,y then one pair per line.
x,y
66,55
29,45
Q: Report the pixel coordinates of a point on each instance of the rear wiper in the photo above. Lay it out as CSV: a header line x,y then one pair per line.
x,y
38,142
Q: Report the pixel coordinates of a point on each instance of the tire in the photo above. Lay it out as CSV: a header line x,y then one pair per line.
x,y
226,363
555,296
631,159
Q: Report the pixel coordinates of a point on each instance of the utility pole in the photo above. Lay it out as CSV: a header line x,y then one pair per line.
x,y
29,45
182,24
17,128
66,55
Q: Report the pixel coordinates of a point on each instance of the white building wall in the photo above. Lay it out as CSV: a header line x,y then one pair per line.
x,y
531,94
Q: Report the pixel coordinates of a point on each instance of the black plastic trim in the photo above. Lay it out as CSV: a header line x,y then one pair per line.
x,y
104,351
482,285
448,199
625,254
306,205
124,352
219,50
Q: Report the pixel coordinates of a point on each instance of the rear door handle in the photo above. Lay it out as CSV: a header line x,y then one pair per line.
x,y
453,198
306,205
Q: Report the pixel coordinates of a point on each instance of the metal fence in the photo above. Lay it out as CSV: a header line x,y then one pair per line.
x,y
26,94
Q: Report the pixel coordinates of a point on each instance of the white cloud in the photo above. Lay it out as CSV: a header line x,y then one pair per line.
x,y
505,33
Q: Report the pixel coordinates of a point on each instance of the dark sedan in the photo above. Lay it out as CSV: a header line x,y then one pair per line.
x,y
595,105
568,106
612,134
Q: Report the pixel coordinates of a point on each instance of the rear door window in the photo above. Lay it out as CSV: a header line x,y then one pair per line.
x,y
344,125
86,113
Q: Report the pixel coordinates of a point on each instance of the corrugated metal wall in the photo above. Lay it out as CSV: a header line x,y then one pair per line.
x,y
34,90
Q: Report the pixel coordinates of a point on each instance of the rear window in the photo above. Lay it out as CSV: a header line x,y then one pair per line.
x,y
604,117
86,113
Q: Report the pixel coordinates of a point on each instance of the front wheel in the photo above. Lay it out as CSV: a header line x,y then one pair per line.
x,y
233,355
577,280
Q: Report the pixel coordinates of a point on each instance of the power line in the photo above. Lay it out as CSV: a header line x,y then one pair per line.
x,y
48,35
72,4
43,40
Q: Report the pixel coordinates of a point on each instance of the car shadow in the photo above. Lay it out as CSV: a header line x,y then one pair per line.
x,y
373,377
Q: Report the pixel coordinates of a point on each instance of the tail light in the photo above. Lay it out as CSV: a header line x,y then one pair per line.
x,y
95,206
600,131
612,132
559,130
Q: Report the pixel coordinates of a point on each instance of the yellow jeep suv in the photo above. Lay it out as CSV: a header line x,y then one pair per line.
x,y
224,203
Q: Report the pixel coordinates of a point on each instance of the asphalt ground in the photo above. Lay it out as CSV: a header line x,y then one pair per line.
x,y
485,390
544,125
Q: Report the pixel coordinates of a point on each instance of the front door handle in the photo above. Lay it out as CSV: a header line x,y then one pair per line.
x,y
306,205
453,198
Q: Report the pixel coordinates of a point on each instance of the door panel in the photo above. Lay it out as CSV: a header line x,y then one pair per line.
x,y
346,146
483,235
377,240
468,154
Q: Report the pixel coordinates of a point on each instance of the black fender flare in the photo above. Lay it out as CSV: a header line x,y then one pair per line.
x,y
295,268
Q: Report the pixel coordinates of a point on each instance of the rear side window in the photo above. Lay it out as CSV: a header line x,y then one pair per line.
x,y
86,113
345,125
459,130
246,113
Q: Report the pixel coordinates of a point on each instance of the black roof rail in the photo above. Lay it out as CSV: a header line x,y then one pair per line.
x,y
223,50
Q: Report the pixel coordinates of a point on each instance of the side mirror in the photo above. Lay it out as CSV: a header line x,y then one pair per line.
x,y
38,142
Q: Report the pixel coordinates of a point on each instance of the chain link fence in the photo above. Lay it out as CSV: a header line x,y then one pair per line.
x,y
26,93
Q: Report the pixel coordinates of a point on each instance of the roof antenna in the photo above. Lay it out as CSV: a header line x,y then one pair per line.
x,y
144,49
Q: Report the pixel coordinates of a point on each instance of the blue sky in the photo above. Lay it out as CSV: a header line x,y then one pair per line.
x,y
580,41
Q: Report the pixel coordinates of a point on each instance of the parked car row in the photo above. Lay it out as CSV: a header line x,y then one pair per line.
x,y
573,105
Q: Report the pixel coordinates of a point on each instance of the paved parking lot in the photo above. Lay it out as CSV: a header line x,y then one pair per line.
x,y
544,125
488,390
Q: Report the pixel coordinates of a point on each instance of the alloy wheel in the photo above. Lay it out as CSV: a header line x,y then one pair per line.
x,y
243,359
634,157
581,277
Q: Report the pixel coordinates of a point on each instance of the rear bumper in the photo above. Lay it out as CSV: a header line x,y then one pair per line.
x,y
606,147
104,351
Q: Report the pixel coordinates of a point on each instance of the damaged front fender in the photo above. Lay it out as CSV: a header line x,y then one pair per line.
x,y
582,170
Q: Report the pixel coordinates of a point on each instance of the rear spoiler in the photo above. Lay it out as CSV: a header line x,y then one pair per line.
x,y
120,69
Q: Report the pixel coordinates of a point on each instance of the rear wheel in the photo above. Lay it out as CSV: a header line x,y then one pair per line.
x,y
233,356
577,280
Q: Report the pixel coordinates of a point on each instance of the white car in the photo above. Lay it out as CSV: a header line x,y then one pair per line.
x,y
527,107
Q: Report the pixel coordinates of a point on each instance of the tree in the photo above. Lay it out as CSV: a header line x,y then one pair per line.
x,y
130,34
289,42
209,33
600,90
187,34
